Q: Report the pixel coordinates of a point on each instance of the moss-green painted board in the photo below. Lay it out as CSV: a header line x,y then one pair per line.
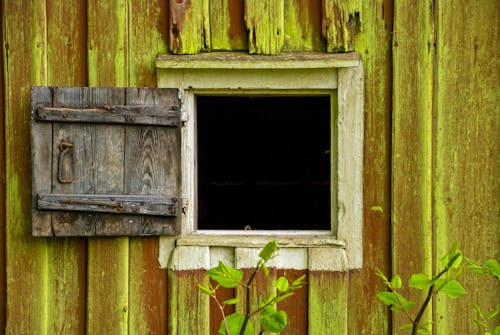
x,y
66,66
3,286
189,26
25,65
367,315
327,307
412,225
341,23
227,27
467,138
147,26
108,259
265,22
189,309
303,26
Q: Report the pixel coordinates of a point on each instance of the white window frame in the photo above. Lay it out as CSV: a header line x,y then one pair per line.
x,y
338,75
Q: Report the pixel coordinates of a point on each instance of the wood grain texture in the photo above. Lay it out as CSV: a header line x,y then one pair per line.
x,y
227,27
265,21
295,306
189,26
148,37
466,150
303,26
3,278
108,263
412,226
340,24
26,257
367,315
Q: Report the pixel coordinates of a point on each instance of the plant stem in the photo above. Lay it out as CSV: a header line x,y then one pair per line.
x,y
247,306
222,313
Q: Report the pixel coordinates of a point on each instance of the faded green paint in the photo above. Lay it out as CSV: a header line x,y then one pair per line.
x,y
189,26
342,20
220,23
26,257
189,311
265,20
300,32
328,300
467,138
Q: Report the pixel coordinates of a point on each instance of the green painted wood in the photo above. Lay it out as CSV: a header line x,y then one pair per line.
x,y
264,20
189,26
327,303
467,138
412,226
3,286
148,36
27,266
66,66
302,25
341,23
366,315
108,266
227,27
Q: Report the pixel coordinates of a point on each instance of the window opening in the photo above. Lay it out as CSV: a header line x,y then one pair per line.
x,y
264,162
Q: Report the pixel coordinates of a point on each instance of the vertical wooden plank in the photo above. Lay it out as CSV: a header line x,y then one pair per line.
x,y
67,66
341,22
107,264
328,299
189,26
148,35
303,26
189,308
227,26
295,306
146,147
365,313
467,138
265,21
25,65
2,183
108,258
412,143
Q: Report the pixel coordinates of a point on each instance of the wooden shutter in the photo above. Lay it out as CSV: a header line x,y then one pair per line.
x,y
105,161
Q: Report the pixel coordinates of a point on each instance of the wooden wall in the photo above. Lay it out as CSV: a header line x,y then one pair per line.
x,y
431,146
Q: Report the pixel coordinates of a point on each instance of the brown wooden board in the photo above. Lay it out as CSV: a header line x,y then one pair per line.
x,y
296,306
67,66
2,186
303,26
227,26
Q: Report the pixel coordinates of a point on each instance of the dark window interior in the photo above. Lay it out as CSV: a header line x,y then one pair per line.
x,y
263,162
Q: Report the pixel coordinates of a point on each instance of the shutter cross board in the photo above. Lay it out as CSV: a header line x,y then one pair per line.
x,y
105,161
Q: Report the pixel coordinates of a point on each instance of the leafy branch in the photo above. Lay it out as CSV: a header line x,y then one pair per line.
x,y
240,324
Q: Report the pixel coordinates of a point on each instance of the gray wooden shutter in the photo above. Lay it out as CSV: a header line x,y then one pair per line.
x,y
105,161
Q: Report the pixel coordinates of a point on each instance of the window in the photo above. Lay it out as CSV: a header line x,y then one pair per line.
x,y
240,169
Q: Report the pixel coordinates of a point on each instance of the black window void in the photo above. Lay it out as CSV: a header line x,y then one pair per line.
x,y
263,162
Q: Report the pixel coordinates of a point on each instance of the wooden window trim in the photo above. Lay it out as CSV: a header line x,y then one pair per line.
x,y
340,75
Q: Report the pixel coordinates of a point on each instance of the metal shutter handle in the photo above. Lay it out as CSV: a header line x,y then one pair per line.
x,y
65,147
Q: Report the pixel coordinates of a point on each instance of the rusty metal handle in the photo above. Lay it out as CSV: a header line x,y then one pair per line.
x,y
65,147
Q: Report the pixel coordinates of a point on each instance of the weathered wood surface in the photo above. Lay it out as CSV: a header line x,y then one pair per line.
x,y
341,23
151,115
265,22
2,186
126,204
412,225
189,26
303,26
227,27
466,165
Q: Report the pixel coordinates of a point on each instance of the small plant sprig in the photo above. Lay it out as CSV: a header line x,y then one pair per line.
x,y
271,319
446,281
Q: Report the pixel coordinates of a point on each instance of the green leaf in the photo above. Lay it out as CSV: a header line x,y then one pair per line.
x,y
452,288
480,323
380,274
492,314
235,322
232,301
281,284
496,331
388,298
269,310
423,331
284,296
493,267
453,258
268,251
298,283
225,276
406,326
396,282
420,281
275,322
205,290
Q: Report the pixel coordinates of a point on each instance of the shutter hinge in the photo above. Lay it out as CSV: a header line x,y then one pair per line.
x,y
185,205
184,117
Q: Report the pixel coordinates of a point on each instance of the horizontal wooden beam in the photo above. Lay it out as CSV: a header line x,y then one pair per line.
x,y
120,204
145,115
241,60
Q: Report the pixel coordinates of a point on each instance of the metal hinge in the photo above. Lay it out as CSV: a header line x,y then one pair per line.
x,y
185,205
